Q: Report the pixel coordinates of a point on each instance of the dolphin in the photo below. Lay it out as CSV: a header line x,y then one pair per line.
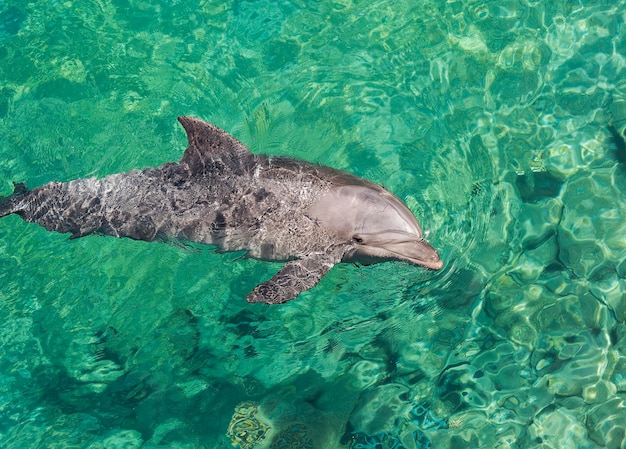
x,y
274,208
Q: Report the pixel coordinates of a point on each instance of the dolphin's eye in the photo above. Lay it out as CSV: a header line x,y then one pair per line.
x,y
357,239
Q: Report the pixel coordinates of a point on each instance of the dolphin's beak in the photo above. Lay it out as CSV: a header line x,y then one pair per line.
x,y
417,252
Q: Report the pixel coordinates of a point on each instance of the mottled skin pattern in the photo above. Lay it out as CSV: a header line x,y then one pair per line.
x,y
218,194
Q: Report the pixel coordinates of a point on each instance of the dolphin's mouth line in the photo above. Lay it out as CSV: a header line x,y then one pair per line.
x,y
421,262
402,256
400,242
409,237
375,242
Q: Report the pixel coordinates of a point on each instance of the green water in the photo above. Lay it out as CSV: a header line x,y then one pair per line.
x,y
499,123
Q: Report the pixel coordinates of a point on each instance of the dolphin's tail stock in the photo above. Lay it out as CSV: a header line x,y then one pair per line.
x,y
7,203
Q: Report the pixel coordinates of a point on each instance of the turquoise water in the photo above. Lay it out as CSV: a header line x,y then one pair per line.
x,y
500,124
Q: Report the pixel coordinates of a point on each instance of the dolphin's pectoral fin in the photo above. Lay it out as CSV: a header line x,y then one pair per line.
x,y
294,278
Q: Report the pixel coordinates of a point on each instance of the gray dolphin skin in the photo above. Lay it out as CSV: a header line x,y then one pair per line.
x,y
275,208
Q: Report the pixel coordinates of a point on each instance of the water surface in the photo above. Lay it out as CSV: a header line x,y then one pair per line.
x,y
500,124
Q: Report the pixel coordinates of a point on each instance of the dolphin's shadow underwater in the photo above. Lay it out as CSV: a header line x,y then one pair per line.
x,y
275,208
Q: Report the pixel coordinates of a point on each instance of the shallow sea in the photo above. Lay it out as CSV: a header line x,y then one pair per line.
x,y
501,124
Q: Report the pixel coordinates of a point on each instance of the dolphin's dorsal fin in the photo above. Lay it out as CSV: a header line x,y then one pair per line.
x,y
211,148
